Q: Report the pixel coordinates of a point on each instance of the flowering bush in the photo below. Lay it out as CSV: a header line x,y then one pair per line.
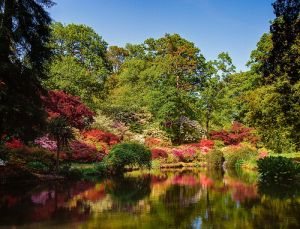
x,y
59,103
82,152
159,153
206,145
101,136
262,154
184,155
155,142
235,135
14,144
46,143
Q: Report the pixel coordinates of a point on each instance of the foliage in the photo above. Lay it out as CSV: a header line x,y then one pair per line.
x,y
81,152
215,159
80,65
37,166
236,134
58,103
24,32
237,154
62,133
25,155
127,154
278,169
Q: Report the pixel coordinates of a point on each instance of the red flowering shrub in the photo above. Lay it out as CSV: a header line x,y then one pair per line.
x,y
82,152
159,153
59,103
263,154
207,143
101,136
235,135
13,144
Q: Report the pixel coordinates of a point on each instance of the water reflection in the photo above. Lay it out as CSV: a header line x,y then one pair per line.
x,y
168,199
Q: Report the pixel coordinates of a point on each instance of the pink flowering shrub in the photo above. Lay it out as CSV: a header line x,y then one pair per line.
x,y
185,155
46,143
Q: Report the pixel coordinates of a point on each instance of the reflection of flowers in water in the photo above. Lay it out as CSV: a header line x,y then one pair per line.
x,y
241,191
42,197
206,181
188,180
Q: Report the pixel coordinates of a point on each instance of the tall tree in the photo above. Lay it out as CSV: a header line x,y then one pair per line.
x,y
24,33
80,65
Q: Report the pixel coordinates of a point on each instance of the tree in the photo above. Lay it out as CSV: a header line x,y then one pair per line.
x,y
24,33
75,113
80,65
273,106
62,133
212,90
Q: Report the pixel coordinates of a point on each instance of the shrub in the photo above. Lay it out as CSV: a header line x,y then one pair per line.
x,y
185,155
215,159
81,152
156,142
235,155
207,143
277,169
127,154
37,166
59,103
101,136
13,144
31,154
235,135
46,143
159,153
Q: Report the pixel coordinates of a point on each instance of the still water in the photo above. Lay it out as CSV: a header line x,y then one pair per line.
x,y
162,199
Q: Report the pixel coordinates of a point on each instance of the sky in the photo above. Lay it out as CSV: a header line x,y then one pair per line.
x,y
214,26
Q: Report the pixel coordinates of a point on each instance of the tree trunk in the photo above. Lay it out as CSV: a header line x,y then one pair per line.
x,y
57,157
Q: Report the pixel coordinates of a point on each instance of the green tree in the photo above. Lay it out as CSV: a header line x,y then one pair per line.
x,y
80,65
24,33
212,91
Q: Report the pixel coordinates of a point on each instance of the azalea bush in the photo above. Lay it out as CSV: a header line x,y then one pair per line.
x,y
159,153
236,134
184,155
13,143
156,142
101,136
46,143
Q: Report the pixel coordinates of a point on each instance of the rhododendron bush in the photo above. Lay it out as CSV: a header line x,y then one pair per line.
x,y
59,103
81,152
235,135
184,155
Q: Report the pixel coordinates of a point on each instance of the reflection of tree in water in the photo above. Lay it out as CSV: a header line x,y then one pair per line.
x,y
129,190
43,202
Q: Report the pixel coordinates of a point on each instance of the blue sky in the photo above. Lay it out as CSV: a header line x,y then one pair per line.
x,y
232,26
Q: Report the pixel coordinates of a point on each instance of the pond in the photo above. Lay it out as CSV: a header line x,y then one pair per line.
x,y
159,199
